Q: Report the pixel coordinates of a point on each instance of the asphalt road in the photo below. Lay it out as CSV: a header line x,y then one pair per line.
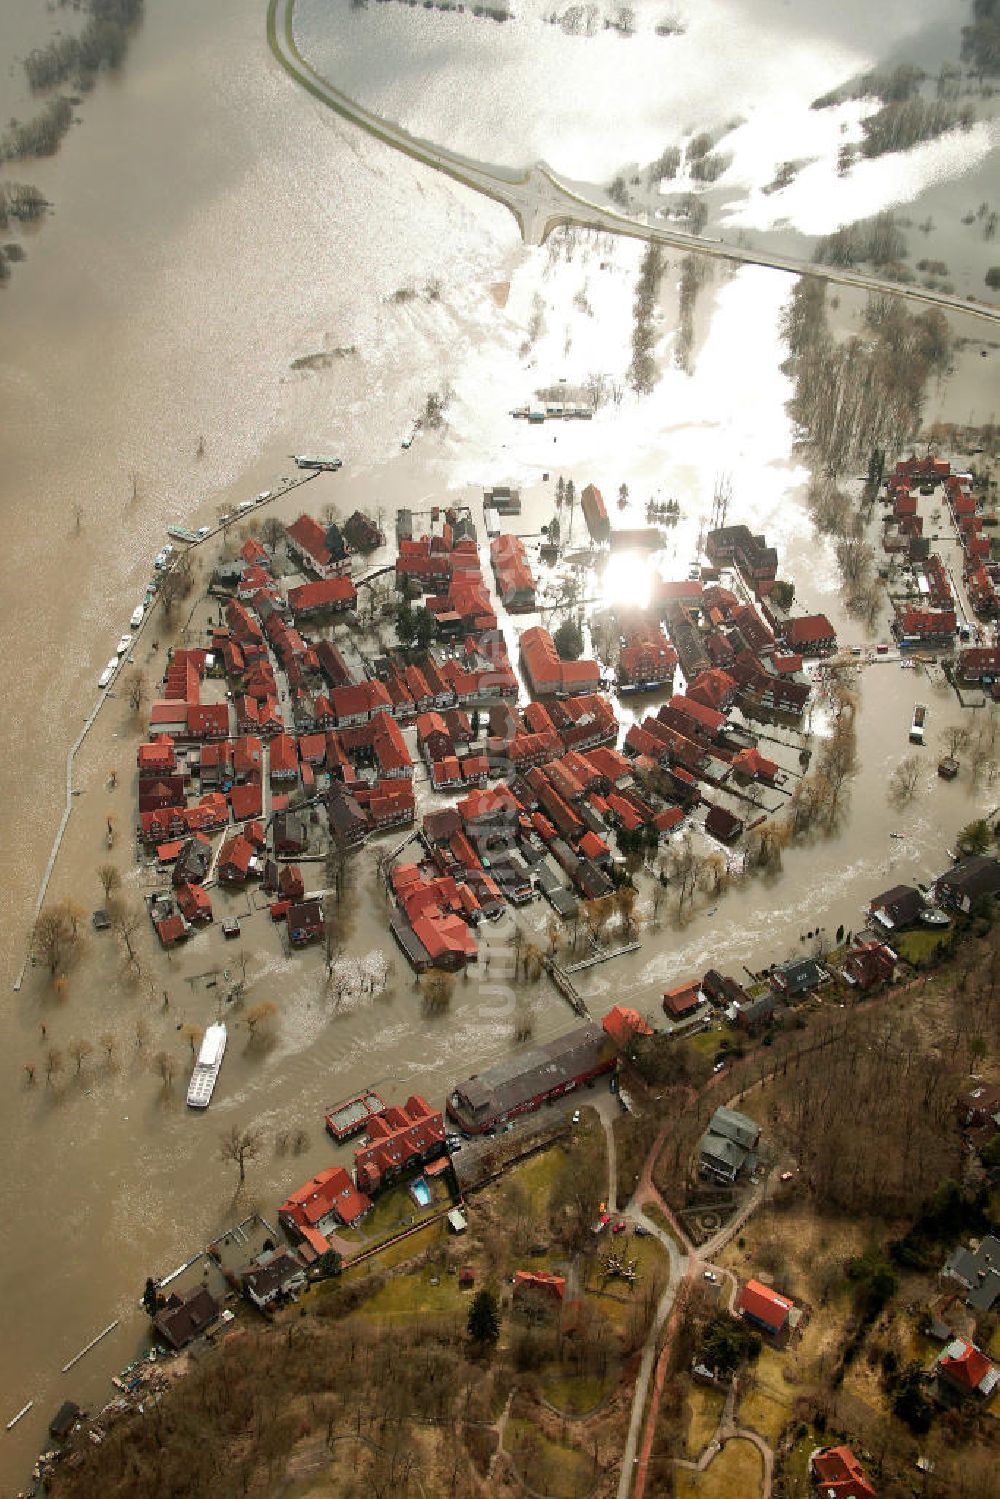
x,y
541,203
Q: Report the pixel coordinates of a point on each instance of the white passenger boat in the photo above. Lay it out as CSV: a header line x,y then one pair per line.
x,y
108,672
206,1069
137,614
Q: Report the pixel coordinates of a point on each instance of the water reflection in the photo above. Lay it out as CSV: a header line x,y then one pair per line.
x,y
628,579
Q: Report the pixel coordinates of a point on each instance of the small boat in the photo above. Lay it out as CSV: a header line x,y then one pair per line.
x,y
206,1068
917,724
124,644
318,461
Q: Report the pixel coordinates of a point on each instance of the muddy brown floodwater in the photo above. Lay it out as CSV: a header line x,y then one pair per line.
x,y
212,225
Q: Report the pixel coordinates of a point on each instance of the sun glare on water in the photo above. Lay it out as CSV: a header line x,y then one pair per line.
x,y
628,579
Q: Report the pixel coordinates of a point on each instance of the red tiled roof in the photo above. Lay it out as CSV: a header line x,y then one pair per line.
x,y
622,1024
327,594
840,1475
764,1304
965,1364
541,1282
246,800
330,1191
311,537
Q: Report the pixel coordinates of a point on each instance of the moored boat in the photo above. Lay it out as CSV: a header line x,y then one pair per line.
x,y
206,1068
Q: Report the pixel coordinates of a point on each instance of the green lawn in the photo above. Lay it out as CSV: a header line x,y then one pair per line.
x,y
921,944
536,1177
406,1297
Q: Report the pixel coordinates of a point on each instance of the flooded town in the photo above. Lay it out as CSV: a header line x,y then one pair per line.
x,y
502,793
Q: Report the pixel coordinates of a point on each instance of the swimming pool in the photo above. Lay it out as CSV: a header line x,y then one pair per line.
x,y
421,1192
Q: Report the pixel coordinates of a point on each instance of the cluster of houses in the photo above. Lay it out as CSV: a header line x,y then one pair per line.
x,y
265,745
869,962
398,1140
930,622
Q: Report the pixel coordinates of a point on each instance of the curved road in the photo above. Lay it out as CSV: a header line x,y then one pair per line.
x,y
541,203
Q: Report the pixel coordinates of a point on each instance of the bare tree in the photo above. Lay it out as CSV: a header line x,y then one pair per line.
x,y
108,1046
110,878
53,1063
956,739
683,871
436,991
135,685
29,1073
80,1050
259,1019
241,1146
57,936
272,532
904,780
193,1035
125,918
166,1067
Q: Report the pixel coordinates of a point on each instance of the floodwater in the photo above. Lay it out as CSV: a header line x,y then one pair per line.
x,y
211,225
524,90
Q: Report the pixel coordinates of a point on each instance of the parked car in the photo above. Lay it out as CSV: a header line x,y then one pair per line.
x,y
710,1275
619,1227
641,1231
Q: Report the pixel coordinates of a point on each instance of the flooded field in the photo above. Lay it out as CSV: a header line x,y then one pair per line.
x,y
212,226
541,84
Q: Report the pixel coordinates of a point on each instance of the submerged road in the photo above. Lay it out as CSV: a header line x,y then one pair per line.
x,y
541,203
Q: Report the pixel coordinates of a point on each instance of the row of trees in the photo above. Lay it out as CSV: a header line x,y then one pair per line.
x,y
39,136
642,370
102,43
868,391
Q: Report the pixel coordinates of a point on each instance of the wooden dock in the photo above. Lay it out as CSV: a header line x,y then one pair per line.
x,y
560,977
602,957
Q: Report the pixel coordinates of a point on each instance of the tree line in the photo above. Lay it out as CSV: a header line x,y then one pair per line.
x,y
867,391
102,43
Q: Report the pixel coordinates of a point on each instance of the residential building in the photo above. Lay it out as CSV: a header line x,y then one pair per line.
x,y
623,1025
869,964
896,908
971,879
812,635
538,1294
798,977
272,1277
595,513
317,1209
398,1139
763,1307
837,1474
186,1315
966,1370
977,1269
727,1146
